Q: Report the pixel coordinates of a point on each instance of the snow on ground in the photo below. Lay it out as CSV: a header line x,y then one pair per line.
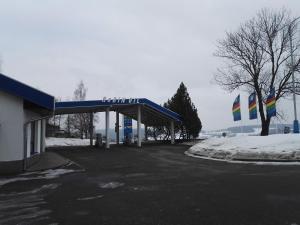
x,y
111,185
26,206
52,142
279,147
90,198
47,174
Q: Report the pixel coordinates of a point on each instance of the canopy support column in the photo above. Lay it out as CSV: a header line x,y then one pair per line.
x,y
172,133
139,141
107,128
91,128
117,128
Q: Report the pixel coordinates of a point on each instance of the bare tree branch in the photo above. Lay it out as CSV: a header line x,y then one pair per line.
x,y
258,56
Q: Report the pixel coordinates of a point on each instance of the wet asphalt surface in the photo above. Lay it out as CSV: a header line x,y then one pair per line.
x,y
153,185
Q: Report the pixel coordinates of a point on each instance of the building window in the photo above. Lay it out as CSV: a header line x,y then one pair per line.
x,y
32,138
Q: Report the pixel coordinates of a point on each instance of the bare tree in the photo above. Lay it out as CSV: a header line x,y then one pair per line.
x,y
257,58
79,124
161,132
80,121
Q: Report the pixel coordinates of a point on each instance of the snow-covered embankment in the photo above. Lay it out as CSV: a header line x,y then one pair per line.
x,y
53,142
279,147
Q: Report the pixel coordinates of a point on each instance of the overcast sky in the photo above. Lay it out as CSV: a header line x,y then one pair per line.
x,y
132,48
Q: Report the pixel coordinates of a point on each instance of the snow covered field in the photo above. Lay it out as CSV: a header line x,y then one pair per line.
x,y
52,142
279,147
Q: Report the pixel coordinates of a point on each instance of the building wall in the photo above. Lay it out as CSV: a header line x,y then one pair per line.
x,y
13,117
22,133
11,127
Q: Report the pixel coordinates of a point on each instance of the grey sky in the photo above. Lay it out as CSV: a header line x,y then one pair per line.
x,y
137,48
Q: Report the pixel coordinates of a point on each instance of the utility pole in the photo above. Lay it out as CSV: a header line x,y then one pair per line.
x,y
296,123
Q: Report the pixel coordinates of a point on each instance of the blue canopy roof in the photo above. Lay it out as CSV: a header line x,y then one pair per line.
x,y
26,92
152,113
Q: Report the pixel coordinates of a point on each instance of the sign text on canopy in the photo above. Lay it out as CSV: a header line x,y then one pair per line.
x,y
121,100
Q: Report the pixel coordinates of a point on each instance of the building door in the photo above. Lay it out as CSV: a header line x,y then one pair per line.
x,y
32,138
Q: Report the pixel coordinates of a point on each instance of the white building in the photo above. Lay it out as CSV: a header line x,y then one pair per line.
x,y
23,113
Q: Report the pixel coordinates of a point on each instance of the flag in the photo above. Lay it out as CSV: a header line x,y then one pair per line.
x,y
252,106
271,103
236,109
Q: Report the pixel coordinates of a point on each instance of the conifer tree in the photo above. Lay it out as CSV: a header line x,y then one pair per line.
x,y
181,103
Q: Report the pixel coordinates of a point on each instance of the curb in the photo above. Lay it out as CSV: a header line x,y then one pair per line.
x,y
247,161
62,162
69,162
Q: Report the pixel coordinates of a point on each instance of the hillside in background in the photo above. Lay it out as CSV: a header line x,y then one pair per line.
x,y
112,133
274,129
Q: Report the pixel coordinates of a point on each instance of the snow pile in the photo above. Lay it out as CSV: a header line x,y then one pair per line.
x,y
279,147
203,136
52,142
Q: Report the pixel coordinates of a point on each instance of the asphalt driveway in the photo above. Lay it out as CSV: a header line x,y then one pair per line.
x,y
157,184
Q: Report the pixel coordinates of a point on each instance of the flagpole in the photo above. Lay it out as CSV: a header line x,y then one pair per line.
x,y
241,122
257,122
241,126
296,123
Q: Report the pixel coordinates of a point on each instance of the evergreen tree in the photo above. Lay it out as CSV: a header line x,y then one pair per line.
x,y
181,103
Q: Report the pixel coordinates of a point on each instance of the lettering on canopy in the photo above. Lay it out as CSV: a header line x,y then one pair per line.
x,y
116,100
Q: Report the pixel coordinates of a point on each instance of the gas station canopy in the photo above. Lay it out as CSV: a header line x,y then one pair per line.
x,y
152,114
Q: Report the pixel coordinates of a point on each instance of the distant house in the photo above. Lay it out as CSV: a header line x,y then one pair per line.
x,y
23,114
